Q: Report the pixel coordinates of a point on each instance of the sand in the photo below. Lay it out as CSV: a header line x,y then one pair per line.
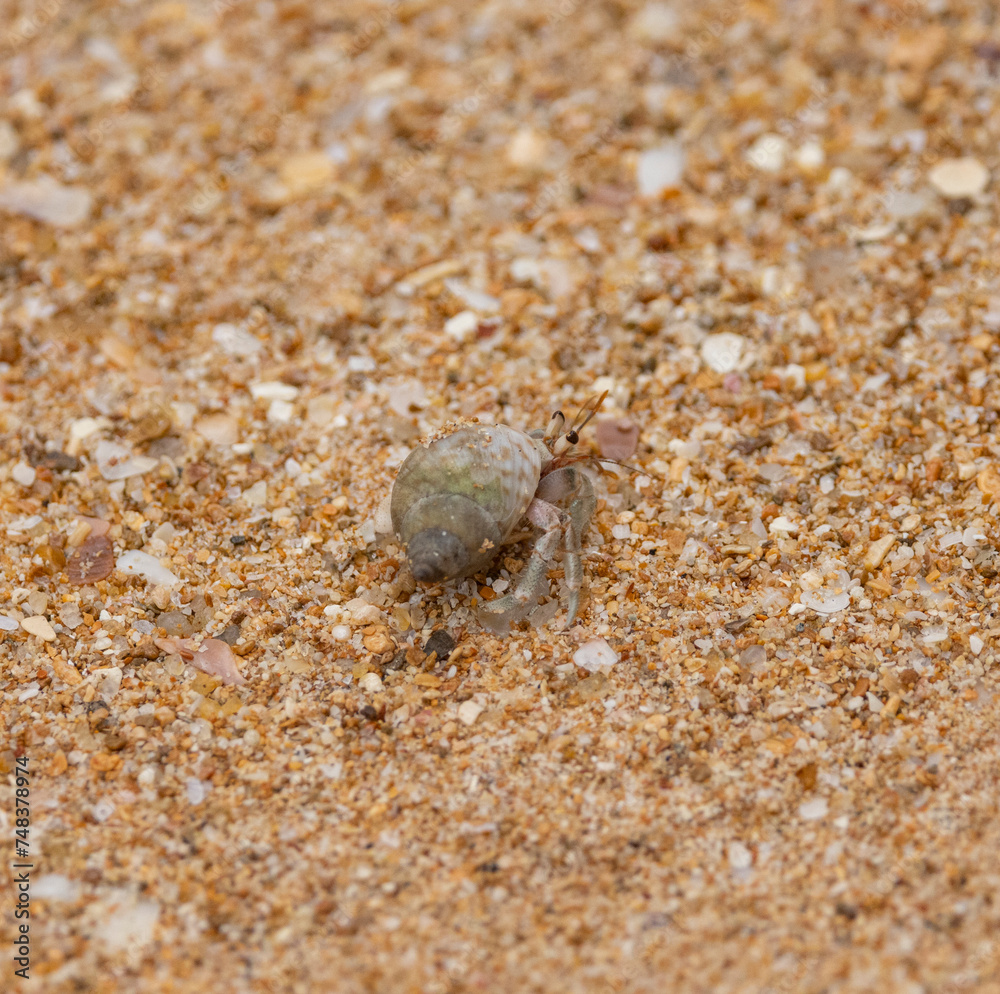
x,y
251,253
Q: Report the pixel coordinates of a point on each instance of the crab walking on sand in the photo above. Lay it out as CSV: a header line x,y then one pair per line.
x,y
457,500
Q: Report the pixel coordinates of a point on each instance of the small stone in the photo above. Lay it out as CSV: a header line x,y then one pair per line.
x,y
196,790
92,561
461,325
660,169
213,657
527,149
810,157
371,683
8,624
236,341
877,551
975,645
824,601
47,201
363,613
723,352
57,767
66,672
656,23
814,810
441,643
9,141
740,858
378,643
109,681
956,178
784,524
617,438
595,656
305,173
469,711
23,473
142,564
219,429
116,462
273,390
769,153
38,626
918,49
988,481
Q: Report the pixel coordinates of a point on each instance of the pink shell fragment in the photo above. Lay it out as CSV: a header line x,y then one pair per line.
x,y
617,438
213,656
98,526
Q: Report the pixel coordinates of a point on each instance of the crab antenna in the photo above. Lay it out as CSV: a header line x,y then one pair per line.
x,y
591,407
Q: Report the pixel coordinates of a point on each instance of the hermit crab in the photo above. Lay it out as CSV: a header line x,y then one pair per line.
x,y
457,500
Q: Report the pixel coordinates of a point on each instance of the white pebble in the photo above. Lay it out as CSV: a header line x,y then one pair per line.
x,y
527,149
660,169
116,462
621,531
784,524
769,153
102,811
934,633
256,496
39,627
814,810
273,390
461,325
874,702
23,473
595,656
723,352
740,858
468,712
47,201
473,298
657,23
235,341
340,632
32,690
371,683
975,645
363,613
280,412
54,887
824,601
810,156
109,681
965,177
195,789
7,624
143,564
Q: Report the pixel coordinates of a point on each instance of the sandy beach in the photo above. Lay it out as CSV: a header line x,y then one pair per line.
x,y
252,253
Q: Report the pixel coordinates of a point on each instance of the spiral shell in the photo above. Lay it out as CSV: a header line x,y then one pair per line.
x,y
457,500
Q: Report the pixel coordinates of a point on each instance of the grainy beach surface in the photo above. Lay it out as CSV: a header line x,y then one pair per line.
x,y
252,252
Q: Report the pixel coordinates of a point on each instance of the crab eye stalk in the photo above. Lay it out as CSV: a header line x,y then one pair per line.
x,y
572,437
